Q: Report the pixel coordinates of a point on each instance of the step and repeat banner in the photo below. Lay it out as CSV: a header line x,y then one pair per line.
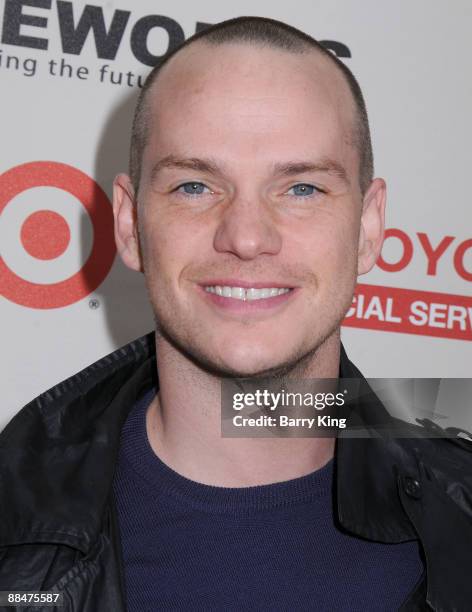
x,y
70,73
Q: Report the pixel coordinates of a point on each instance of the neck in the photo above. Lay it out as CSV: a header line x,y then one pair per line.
x,y
184,425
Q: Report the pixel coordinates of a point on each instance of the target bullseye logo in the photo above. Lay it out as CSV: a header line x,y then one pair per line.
x,y
45,235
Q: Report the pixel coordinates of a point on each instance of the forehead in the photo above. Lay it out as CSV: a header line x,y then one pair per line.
x,y
246,98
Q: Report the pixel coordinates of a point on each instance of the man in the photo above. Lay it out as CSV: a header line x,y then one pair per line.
x,y
250,208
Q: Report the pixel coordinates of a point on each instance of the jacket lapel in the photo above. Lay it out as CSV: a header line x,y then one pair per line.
x,y
58,454
366,483
393,489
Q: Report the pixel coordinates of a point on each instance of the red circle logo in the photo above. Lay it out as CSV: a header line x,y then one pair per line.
x,y
45,234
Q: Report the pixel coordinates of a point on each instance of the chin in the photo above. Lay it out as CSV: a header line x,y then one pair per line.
x,y
242,353
249,367
250,361
248,355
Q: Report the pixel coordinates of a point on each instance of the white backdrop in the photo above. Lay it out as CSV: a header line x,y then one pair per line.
x,y
65,133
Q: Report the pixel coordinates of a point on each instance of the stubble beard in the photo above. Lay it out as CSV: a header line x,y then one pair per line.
x,y
298,366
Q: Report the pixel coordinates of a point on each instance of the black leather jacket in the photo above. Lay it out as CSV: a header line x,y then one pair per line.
x,y
58,523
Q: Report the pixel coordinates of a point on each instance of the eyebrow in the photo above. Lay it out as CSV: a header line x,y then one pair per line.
x,y
209,166
328,166
185,163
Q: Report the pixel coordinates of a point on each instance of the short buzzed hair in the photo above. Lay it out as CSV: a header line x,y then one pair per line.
x,y
269,33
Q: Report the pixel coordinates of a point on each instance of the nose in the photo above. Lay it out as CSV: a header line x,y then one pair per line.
x,y
247,229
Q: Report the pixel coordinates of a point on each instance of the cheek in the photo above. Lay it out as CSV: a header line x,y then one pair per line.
x,y
170,245
157,239
329,247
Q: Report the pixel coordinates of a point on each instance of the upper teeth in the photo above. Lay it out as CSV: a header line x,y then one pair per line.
x,y
240,293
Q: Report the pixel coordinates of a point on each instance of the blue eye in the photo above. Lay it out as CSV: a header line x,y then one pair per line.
x,y
303,189
193,188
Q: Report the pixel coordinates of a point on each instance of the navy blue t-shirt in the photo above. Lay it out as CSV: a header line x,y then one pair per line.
x,y
189,546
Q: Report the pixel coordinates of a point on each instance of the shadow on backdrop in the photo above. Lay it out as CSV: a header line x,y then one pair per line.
x,y
122,295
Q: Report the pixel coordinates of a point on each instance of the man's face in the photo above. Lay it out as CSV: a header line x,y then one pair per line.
x,y
249,180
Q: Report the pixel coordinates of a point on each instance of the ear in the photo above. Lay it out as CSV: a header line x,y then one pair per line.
x,y
126,222
372,228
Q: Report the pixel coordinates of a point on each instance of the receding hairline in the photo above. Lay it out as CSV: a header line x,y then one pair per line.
x,y
205,44
153,87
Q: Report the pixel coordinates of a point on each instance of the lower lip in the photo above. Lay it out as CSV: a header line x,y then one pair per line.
x,y
248,306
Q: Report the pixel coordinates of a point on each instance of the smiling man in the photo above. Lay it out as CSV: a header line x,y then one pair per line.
x,y
249,213
251,209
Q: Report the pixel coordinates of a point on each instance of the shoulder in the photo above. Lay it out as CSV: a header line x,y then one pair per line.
x,y
445,457
74,402
439,445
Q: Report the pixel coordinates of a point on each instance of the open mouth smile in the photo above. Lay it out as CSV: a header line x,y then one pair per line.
x,y
246,297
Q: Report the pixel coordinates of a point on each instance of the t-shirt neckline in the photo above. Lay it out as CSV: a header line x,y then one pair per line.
x,y
136,449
